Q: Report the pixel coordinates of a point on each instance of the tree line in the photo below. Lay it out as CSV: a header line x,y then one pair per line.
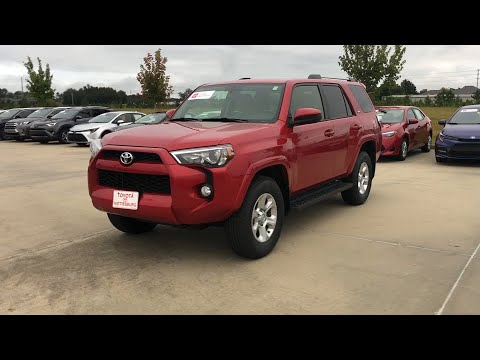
x,y
376,66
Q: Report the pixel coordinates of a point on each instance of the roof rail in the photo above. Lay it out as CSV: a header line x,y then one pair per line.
x,y
317,76
244,78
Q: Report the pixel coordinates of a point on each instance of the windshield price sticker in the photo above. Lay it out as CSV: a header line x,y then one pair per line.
x,y
201,95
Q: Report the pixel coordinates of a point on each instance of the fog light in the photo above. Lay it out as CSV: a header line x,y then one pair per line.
x,y
206,190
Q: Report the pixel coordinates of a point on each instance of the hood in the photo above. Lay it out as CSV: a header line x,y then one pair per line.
x,y
87,126
32,119
462,131
391,127
181,135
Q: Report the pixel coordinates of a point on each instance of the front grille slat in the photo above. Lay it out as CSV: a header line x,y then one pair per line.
x,y
465,149
76,137
157,184
137,156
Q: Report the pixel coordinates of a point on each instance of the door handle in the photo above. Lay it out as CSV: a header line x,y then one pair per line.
x,y
329,132
356,127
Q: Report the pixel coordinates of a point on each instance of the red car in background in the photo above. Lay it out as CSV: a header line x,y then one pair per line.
x,y
404,128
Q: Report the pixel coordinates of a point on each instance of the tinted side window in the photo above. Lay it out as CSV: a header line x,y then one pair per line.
x,y
362,97
24,113
419,114
410,114
335,101
84,114
305,96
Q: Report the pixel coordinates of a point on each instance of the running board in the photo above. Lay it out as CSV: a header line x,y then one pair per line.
x,y
318,194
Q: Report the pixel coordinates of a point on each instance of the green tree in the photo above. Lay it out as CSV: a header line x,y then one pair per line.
x,y
445,97
39,83
153,79
428,101
370,64
408,87
388,88
183,95
476,96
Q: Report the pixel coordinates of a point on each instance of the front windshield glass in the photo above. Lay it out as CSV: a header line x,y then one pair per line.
x,y
390,116
151,118
466,116
103,118
66,114
9,113
258,102
40,113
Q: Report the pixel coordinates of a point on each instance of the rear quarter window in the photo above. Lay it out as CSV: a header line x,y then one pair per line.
x,y
362,97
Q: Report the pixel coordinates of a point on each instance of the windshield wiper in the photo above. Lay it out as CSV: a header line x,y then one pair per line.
x,y
185,119
225,119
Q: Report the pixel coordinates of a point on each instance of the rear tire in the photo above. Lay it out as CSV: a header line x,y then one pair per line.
x,y
361,178
426,148
129,225
402,155
255,229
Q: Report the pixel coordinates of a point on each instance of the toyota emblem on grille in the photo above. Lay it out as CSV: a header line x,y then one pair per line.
x,y
126,158
472,137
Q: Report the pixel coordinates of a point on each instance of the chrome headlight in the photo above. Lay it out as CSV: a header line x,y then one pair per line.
x,y
51,124
95,146
25,123
93,130
389,134
215,156
441,137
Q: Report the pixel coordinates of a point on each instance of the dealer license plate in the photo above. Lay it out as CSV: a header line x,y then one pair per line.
x,y
125,199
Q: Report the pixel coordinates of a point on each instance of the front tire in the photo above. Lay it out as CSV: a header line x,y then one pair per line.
x,y
255,229
63,136
402,155
362,181
130,225
426,148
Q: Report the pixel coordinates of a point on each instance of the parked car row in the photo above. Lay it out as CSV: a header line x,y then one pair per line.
x,y
69,124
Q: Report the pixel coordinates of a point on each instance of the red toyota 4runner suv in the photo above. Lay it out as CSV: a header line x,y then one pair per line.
x,y
242,154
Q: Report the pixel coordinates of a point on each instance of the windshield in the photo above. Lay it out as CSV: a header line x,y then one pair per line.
x,y
390,116
247,102
40,113
66,114
103,118
465,116
9,113
151,118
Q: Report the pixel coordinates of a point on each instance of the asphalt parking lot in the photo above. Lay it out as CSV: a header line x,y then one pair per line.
x,y
411,249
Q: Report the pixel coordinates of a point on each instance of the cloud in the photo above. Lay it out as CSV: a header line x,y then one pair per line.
x,y
427,66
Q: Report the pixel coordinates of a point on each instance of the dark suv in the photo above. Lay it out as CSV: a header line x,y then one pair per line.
x,y
19,129
17,113
240,153
57,127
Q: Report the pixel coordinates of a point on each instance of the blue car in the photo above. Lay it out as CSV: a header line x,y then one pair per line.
x,y
460,137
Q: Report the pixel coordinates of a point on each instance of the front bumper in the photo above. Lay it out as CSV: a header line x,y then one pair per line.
x,y
179,203
80,137
457,150
39,134
15,132
390,146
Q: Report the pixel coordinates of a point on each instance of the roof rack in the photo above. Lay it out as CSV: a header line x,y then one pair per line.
x,y
318,76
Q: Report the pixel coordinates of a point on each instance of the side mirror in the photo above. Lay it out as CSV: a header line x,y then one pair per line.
x,y
442,122
49,116
78,117
120,122
307,115
412,121
170,113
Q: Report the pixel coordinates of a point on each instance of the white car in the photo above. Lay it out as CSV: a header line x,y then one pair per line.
x,y
101,125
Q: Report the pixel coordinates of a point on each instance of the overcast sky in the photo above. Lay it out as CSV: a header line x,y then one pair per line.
x,y
427,66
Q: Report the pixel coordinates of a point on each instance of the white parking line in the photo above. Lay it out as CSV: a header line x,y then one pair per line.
x,y
440,311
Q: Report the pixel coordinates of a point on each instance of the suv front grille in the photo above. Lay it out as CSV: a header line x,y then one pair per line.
x,y
157,184
137,156
10,125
